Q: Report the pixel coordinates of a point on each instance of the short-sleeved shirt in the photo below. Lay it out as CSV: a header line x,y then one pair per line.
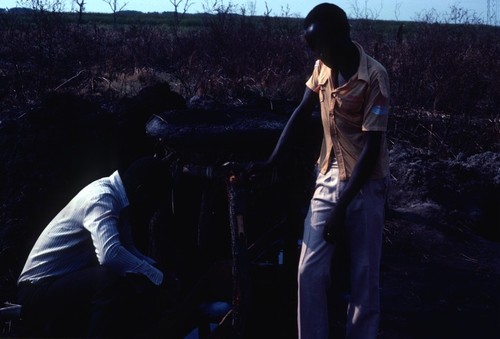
x,y
348,110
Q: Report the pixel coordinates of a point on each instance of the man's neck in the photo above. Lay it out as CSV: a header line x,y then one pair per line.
x,y
351,62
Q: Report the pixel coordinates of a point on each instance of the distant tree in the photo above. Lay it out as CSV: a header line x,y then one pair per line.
x,y
43,5
46,14
81,7
364,12
492,11
178,3
177,17
397,9
268,11
218,7
249,9
115,7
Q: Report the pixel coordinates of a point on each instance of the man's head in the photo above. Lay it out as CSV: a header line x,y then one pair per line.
x,y
327,31
146,182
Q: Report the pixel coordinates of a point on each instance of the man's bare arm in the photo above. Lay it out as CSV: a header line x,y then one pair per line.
x,y
292,128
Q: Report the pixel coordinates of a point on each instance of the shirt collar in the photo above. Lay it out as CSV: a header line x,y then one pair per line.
x,y
363,64
117,183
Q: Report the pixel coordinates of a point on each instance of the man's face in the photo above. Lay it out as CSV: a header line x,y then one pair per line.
x,y
329,46
147,198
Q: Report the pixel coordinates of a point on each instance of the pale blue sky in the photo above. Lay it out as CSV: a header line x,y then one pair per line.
x,y
381,9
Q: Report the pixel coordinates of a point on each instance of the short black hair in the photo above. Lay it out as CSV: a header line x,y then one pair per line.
x,y
148,174
329,18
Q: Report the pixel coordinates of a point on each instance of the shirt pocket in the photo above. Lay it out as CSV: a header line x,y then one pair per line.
x,y
350,103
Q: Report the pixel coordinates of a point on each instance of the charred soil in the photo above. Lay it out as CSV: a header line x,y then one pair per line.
x,y
441,253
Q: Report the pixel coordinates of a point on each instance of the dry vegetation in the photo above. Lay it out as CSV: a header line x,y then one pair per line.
x,y
447,73
444,130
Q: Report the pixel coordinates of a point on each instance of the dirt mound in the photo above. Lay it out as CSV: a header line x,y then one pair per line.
x,y
441,266
464,189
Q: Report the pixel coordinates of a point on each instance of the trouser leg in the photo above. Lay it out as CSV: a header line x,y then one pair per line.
x,y
59,307
94,302
127,307
314,264
365,222
364,226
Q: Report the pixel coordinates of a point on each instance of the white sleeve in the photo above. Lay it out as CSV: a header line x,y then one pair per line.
x,y
101,220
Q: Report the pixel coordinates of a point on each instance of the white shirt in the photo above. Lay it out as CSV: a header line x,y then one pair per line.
x,y
89,230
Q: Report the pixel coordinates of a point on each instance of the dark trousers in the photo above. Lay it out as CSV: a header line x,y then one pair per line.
x,y
94,302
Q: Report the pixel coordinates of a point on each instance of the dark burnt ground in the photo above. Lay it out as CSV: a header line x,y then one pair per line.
x,y
441,253
437,281
441,259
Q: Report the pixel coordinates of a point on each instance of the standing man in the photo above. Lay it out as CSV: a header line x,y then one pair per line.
x,y
353,169
84,277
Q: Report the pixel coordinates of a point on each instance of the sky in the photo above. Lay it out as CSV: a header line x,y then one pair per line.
x,y
377,9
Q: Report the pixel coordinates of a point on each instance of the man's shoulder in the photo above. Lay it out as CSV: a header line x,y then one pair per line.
x,y
378,76
322,71
98,189
375,66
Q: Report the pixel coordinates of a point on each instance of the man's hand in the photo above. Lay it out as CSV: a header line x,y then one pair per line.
x,y
259,169
138,282
334,226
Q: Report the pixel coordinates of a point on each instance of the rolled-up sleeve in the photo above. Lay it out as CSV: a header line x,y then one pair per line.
x,y
377,108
